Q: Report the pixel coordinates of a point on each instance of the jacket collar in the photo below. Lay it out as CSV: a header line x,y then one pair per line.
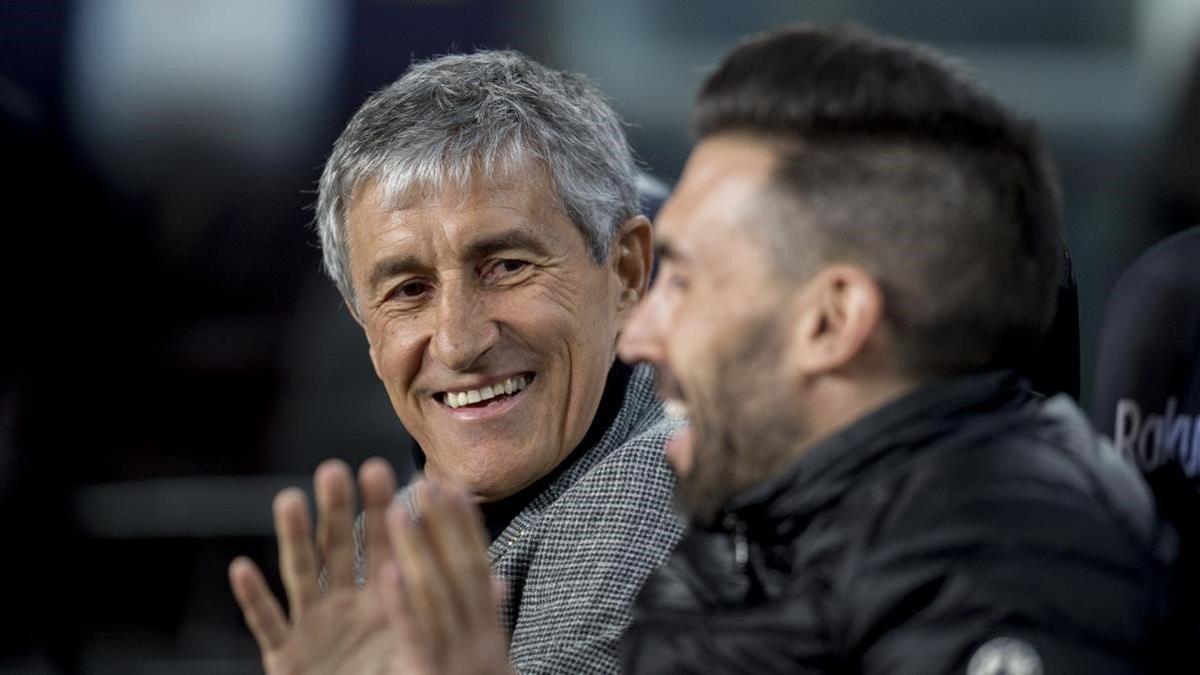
x,y
497,515
889,434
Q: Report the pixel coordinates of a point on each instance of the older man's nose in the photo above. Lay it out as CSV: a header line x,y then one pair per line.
x,y
464,332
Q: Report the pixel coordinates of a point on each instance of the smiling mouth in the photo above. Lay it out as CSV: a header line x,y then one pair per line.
x,y
487,395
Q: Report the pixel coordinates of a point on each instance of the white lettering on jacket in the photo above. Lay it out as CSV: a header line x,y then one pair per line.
x,y
1153,440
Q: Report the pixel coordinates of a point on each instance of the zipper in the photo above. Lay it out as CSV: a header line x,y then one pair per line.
x,y
741,546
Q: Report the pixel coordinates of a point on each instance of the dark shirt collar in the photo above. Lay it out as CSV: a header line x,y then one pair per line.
x,y
498,514
826,470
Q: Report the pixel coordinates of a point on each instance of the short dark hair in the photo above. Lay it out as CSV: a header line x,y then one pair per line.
x,y
894,159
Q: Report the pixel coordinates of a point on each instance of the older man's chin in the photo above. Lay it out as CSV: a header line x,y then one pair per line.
x,y
487,486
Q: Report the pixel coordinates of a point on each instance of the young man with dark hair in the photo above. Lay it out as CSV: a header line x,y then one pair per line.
x,y
861,249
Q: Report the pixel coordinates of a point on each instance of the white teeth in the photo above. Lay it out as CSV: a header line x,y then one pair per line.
x,y
457,399
675,409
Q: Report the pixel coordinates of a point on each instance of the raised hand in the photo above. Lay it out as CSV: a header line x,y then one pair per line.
x,y
346,630
441,599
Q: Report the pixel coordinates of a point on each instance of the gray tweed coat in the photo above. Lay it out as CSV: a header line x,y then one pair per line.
x,y
576,556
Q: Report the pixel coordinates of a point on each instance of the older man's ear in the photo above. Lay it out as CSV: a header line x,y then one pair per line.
x,y
632,257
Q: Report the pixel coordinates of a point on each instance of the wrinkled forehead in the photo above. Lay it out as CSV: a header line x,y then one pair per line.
x,y
516,202
400,183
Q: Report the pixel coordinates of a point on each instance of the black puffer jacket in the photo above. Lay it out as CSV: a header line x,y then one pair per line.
x,y
968,527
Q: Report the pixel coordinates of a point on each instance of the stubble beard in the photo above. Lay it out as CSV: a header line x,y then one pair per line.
x,y
744,420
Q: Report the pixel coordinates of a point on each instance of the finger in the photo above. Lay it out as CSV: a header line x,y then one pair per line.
x,y
263,614
335,522
415,491
499,593
423,580
297,562
413,648
377,485
456,541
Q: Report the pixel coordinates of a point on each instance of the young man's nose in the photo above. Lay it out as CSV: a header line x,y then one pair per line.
x,y
641,338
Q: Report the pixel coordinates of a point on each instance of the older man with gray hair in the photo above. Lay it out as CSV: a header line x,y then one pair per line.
x,y
480,218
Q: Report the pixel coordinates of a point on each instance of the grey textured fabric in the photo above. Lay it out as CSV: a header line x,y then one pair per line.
x,y
576,556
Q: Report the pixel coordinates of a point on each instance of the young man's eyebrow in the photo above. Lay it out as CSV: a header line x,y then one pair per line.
x,y
664,250
508,240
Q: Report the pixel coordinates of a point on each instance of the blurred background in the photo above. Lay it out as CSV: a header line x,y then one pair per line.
x,y
173,355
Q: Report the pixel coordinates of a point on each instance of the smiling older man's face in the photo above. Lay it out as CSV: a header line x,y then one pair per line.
x,y
489,323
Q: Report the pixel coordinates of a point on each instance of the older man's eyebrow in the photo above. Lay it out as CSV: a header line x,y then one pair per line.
x,y
487,245
391,267
508,240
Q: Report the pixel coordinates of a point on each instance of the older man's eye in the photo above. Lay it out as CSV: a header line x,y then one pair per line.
x,y
501,269
411,290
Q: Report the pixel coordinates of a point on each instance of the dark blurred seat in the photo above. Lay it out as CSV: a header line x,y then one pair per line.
x,y
1147,391
1055,367
1147,384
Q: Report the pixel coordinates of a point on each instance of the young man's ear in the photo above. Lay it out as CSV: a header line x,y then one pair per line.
x,y
836,313
632,257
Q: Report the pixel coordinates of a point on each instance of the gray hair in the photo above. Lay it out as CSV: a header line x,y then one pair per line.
x,y
462,116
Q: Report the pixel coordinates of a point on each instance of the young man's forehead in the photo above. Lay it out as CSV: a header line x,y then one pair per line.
x,y
722,189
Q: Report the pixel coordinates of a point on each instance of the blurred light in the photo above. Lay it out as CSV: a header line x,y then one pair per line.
x,y
251,80
1168,37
